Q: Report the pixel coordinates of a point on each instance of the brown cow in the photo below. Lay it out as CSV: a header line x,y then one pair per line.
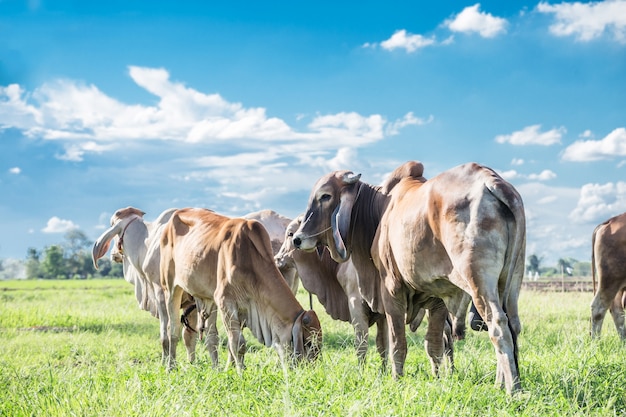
x,y
336,286
276,224
138,249
608,265
463,230
229,262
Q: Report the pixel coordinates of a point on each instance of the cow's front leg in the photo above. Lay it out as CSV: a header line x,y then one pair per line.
x,y
434,338
212,337
236,341
617,311
161,304
382,341
395,311
173,299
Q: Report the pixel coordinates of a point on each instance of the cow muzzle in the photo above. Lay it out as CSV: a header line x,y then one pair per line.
x,y
305,243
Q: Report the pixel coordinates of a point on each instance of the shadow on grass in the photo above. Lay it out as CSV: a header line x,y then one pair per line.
x,y
97,328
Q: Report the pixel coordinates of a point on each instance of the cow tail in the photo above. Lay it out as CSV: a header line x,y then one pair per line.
x,y
593,257
508,196
166,253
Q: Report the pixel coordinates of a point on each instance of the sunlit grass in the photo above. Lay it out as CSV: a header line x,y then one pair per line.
x,y
84,348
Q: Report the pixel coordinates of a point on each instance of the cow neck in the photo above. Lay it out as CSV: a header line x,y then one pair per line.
x,y
120,242
368,209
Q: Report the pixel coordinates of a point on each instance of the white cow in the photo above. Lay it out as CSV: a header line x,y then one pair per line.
x,y
138,248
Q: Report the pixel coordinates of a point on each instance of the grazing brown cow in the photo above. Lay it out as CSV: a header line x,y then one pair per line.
x,y
138,249
229,262
336,286
608,265
463,230
276,224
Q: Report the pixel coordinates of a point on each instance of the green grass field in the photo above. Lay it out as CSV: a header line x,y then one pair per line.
x,y
83,348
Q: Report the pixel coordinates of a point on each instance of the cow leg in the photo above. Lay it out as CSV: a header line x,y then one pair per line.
x,y
212,337
395,311
617,311
163,324
434,339
599,305
448,341
236,341
476,321
382,340
503,340
190,336
360,323
458,310
173,329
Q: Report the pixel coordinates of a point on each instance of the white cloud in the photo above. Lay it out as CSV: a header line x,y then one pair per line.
x,y
407,41
531,135
544,175
471,19
549,233
588,21
547,199
346,128
14,111
57,225
611,146
75,152
345,157
15,170
509,175
408,120
598,202
83,118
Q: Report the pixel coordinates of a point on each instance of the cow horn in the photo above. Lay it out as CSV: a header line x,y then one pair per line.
x,y
350,178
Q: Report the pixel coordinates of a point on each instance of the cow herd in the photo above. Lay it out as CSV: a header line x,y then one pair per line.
x,y
372,254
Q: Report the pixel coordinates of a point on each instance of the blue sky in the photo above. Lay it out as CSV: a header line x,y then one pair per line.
x,y
239,106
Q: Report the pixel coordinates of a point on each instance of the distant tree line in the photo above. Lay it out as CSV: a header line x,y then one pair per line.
x,y
565,267
70,259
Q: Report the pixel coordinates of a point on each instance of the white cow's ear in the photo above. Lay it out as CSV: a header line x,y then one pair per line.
x,y
340,219
102,244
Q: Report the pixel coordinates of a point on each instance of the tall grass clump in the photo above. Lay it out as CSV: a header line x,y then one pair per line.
x,y
84,348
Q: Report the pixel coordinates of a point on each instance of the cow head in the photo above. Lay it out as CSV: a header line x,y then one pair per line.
x,y
119,221
328,214
284,256
307,336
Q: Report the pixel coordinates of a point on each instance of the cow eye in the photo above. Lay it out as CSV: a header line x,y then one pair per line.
x,y
290,234
324,197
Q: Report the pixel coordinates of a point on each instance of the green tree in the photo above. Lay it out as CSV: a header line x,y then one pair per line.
x,y
565,266
53,264
108,269
76,252
534,263
582,269
33,265
117,270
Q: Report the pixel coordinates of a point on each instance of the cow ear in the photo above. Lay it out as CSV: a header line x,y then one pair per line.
x,y
298,338
340,220
102,244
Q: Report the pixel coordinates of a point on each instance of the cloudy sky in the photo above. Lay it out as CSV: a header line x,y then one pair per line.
x,y
239,106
